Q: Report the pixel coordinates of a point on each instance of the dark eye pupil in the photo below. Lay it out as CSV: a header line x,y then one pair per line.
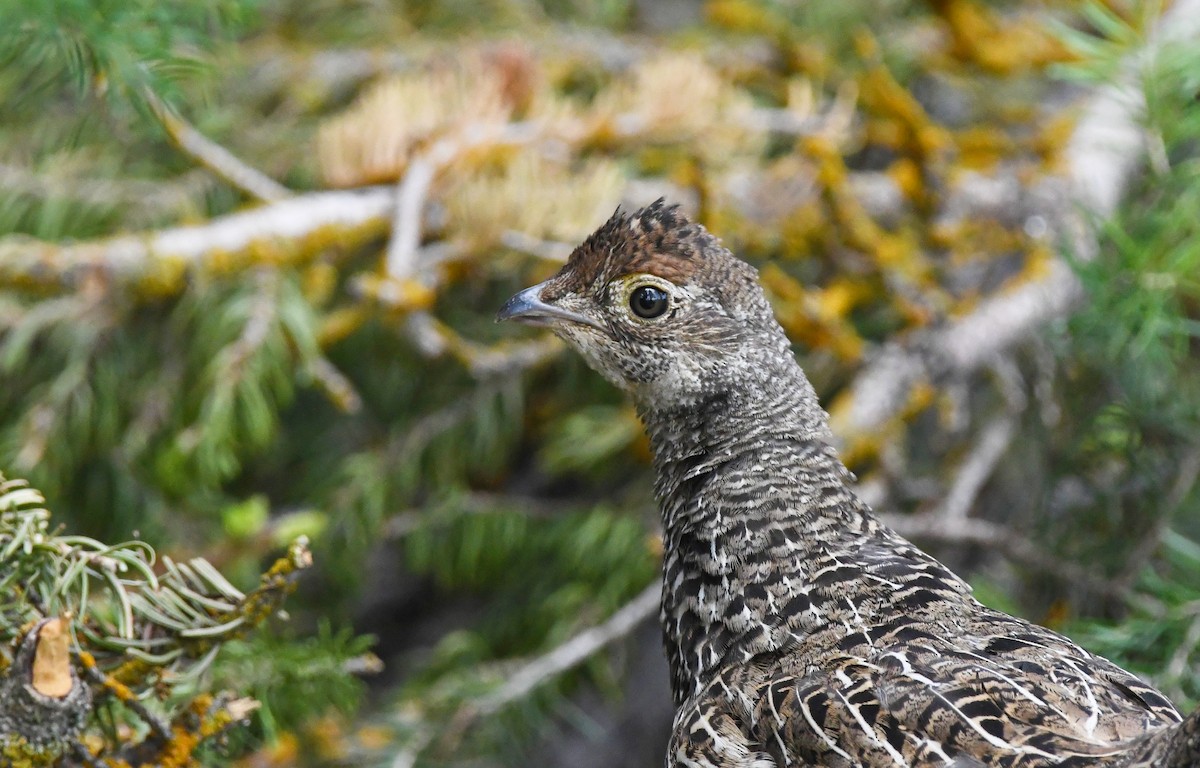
x,y
648,301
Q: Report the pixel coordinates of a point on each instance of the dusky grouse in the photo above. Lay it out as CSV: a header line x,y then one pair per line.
x,y
800,630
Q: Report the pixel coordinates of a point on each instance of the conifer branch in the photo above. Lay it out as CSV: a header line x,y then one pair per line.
x,y
132,630
158,197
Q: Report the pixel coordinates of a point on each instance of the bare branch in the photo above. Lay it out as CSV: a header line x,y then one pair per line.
x,y
414,187
335,384
985,454
573,652
214,157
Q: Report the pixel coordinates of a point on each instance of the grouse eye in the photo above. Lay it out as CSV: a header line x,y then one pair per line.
x,y
648,301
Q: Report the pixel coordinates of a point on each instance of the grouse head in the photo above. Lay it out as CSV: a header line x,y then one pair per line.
x,y
661,309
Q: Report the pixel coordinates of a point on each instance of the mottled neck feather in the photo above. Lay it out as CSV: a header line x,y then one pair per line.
x,y
754,499
778,417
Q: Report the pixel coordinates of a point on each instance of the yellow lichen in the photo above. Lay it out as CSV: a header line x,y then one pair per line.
x,y
742,16
982,147
817,318
979,36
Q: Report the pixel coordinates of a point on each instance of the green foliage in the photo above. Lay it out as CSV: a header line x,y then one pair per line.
x,y
1133,422
590,440
231,395
1143,308
296,677
147,419
543,577
113,48
1161,633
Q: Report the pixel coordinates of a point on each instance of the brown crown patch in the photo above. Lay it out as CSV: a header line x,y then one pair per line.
x,y
657,239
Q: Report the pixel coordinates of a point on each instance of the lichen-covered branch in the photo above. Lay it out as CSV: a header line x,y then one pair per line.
x,y
289,231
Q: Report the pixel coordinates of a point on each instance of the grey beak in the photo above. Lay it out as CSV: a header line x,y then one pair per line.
x,y
528,307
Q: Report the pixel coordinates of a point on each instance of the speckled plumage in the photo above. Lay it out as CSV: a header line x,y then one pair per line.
x,y
801,631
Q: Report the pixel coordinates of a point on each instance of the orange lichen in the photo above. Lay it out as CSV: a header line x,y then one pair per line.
x,y
399,295
118,689
742,16
1051,139
327,735
907,175
854,226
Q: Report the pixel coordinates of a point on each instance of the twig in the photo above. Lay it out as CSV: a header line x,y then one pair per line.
x,y
336,385
213,156
985,454
538,671
407,757
1102,157
84,755
159,728
414,186
571,653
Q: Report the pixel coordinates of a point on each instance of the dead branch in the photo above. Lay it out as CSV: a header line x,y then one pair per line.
x,y
975,470
414,186
528,677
